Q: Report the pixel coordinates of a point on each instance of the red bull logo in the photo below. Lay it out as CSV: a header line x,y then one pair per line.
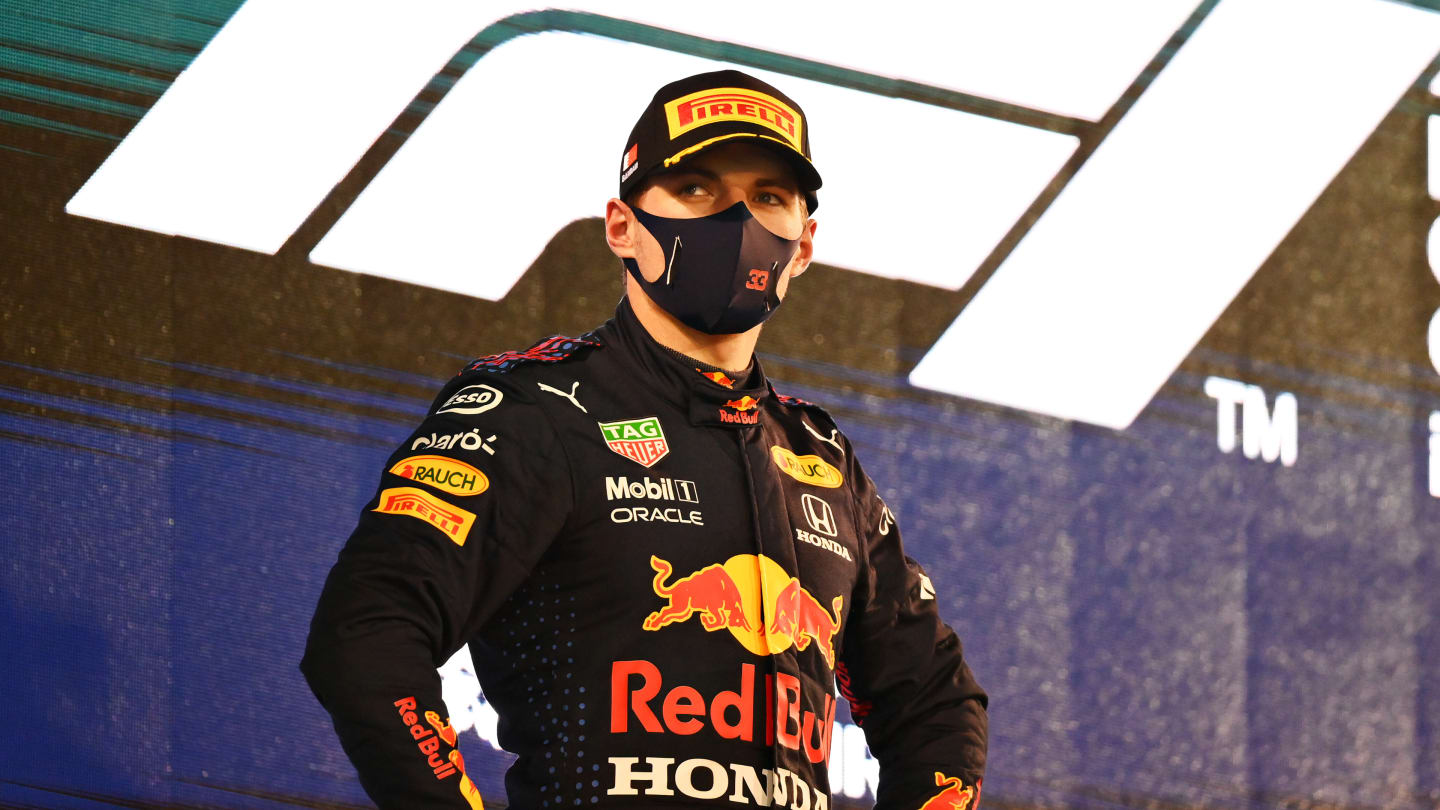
x,y
428,740
801,617
752,597
741,411
738,417
636,703
954,794
710,592
717,377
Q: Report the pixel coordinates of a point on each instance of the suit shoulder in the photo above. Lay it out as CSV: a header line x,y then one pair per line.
x,y
548,351
487,381
797,405
817,423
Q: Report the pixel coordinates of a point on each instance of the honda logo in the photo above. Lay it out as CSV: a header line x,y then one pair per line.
x,y
818,514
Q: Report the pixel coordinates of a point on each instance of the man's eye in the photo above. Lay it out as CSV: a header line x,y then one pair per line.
x,y
692,190
768,198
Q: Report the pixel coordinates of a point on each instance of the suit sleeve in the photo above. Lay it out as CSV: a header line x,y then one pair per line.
x,y
905,675
463,512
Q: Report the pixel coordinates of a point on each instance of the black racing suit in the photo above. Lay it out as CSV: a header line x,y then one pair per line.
x,y
622,539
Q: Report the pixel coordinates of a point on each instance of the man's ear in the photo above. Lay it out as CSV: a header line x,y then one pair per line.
x,y
806,251
620,233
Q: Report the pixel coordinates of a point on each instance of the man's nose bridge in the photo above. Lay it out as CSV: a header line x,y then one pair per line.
x,y
731,193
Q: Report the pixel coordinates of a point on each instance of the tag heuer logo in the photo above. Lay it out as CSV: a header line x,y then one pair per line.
x,y
640,440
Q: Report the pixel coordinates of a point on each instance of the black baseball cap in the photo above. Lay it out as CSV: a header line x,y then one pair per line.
x,y
697,112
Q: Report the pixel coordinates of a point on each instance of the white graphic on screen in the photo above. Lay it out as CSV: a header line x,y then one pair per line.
x,y
1435,453
1176,210
1432,252
1086,319
1265,434
1432,245
286,98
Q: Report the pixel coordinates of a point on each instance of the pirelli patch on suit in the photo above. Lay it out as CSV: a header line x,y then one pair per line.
x,y
417,503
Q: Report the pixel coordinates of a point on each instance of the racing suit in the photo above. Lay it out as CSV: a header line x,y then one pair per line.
x,y
662,575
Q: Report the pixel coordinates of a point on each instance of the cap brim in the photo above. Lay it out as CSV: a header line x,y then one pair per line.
x,y
805,172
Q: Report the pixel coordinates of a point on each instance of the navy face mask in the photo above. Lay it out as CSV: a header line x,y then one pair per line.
x,y
721,271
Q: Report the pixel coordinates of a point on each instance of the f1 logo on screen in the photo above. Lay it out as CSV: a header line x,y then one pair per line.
x,y
1099,301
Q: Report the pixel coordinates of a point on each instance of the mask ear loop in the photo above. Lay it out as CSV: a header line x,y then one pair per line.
x,y
674,251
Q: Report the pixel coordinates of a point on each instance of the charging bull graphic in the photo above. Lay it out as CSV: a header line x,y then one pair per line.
x,y
801,617
750,595
955,794
710,592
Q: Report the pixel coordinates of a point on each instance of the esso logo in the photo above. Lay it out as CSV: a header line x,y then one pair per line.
x,y
472,399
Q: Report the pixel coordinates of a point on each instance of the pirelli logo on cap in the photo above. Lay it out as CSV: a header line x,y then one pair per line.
x,y
734,104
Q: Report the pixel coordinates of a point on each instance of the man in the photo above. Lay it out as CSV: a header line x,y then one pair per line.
x,y
663,567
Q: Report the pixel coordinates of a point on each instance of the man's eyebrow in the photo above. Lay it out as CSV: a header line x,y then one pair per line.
x,y
681,171
788,185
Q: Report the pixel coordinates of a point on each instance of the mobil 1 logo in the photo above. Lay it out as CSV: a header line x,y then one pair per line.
x,y
620,487
671,494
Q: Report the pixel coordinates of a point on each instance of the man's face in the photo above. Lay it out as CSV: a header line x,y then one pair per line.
x,y
709,183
